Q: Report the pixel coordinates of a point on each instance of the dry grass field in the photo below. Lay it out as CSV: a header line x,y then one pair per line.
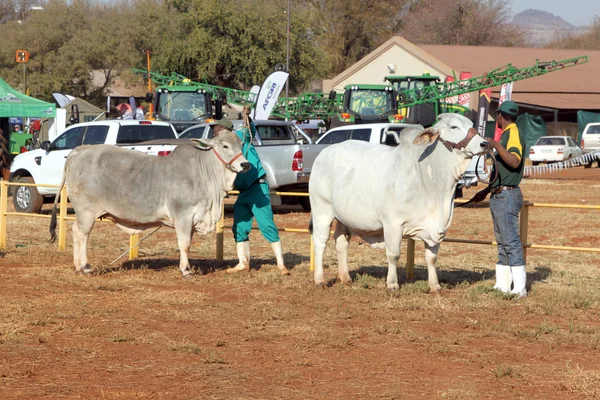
x,y
137,330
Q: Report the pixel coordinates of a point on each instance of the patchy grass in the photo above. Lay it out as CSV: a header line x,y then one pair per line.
x,y
139,330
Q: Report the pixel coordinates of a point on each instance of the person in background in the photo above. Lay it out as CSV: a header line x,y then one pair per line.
x,y
254,200
18,140
506,202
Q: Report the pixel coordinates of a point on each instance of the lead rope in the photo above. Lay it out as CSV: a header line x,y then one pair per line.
x,y
489,182
136,245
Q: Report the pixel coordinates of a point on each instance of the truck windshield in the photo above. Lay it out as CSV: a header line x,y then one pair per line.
x,y
181,106
371,102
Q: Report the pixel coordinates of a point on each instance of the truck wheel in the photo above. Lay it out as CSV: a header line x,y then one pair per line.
x,y
304,202
27,199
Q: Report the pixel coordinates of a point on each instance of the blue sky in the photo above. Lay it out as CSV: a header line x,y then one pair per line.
x,y
577,12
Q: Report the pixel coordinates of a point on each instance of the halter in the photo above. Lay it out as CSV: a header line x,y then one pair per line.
x,y
227,164
460,145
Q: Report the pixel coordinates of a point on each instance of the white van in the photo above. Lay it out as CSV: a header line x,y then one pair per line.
x,y
590,140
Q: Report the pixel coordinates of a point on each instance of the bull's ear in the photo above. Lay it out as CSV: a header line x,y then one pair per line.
x,y
203,144
427,136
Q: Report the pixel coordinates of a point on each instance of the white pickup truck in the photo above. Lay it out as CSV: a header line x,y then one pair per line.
x,y
45,166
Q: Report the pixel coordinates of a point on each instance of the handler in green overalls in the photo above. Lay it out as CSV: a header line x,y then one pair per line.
x,y
253,201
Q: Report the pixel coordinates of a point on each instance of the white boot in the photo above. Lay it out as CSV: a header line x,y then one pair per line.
x,y
278,250
519,276
503,278
243,251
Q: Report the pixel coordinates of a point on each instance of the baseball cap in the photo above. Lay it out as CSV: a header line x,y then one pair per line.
x,y
509,107
224,123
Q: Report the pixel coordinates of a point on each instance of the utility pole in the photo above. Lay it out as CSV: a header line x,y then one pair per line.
x,y
287,57
151,107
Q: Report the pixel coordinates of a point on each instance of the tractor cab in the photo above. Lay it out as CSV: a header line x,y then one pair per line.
x,y
366,104
182,105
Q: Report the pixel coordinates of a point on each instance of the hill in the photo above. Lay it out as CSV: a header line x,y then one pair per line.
x,y
543,27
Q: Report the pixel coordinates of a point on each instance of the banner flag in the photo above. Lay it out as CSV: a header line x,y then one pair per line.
x,y
269,93
253,93
483,109
452,99
464,99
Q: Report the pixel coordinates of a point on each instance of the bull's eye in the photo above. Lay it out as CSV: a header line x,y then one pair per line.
x,y
226,147
454,127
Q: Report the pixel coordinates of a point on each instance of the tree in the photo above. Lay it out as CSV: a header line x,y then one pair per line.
x,y
461,22
348,30
589,40
238,44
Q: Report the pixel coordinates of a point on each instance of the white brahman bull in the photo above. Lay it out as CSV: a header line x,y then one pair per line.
x,y
183,190
383,193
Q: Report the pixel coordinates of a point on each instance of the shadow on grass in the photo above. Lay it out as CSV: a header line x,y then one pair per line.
x,y
202,266
452,277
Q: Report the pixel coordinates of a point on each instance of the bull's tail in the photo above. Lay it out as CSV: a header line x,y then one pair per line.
x,y
54,209
310,225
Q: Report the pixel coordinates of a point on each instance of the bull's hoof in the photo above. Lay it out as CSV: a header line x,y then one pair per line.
x,y
347,283
320,284
284,271
238,268
435,292
85,271
393,287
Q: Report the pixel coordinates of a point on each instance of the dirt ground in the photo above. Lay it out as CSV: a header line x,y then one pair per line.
x,y
137,330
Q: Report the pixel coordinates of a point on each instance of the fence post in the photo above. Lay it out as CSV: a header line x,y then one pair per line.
x,y
523,224
410,259
312,254
62,220
133,251
220,225
3,208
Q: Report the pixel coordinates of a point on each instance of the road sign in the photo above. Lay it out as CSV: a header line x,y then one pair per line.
x,y
22,56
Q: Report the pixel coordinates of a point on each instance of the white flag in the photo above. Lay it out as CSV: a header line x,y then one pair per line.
x,y
253,93
269,93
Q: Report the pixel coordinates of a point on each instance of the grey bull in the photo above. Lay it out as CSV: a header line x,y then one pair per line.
x,y
383,193
184,190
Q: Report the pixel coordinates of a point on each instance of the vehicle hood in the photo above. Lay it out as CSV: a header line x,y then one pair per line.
x,y
23,157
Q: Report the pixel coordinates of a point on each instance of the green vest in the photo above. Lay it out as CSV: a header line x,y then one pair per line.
x,y
512,140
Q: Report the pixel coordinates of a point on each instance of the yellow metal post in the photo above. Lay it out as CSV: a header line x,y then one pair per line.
x,y
523,223
3,208
133,251
312,254
410,259
62,221
220,241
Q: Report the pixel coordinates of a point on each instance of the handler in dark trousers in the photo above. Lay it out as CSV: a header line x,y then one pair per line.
x,y
253,201
506,202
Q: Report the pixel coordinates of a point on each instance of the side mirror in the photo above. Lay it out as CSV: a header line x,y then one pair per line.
x,y
46,145
332,95
149,97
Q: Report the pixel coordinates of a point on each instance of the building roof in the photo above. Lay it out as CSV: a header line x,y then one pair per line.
x,y
396,41
576,88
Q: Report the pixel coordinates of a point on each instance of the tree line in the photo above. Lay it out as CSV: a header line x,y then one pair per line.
x,y
232,43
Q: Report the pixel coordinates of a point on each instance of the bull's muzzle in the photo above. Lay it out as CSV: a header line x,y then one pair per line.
x,y
245,166
485,146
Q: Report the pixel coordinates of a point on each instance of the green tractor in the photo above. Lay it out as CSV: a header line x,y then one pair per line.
x,y
366,104
425,113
